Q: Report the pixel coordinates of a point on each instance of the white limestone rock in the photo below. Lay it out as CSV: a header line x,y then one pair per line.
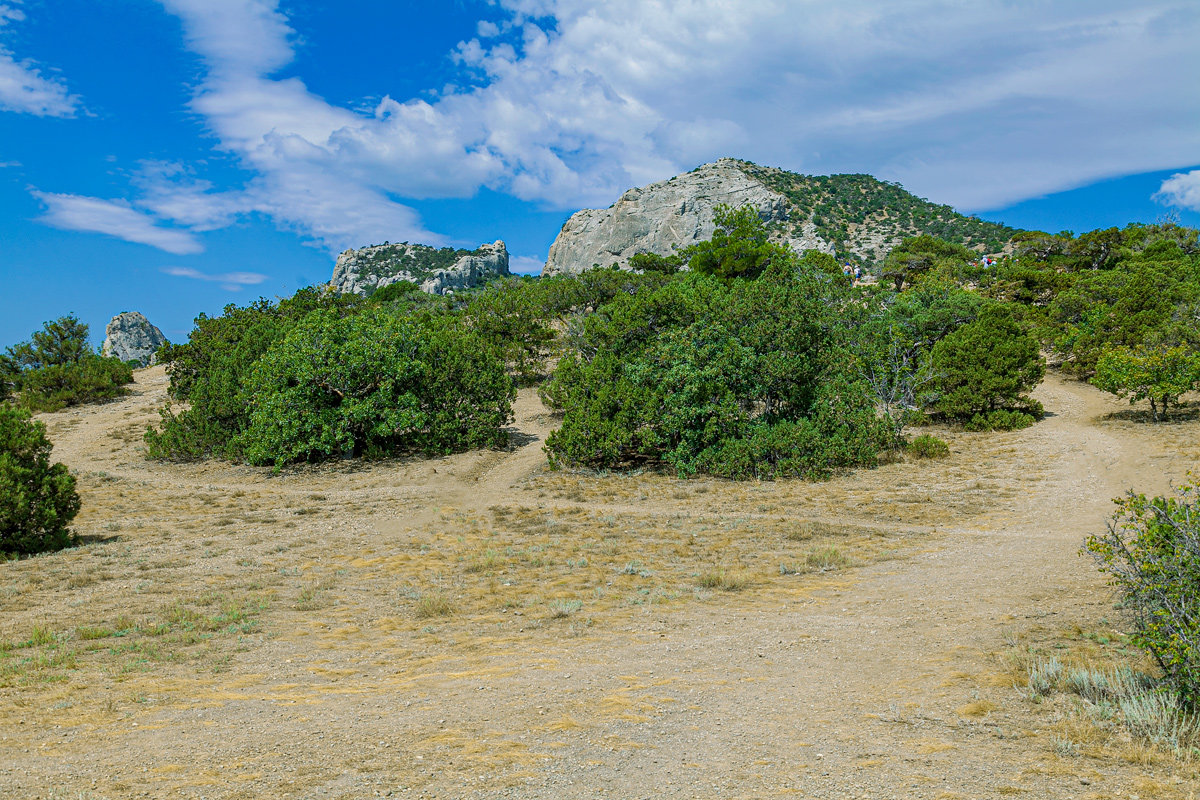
x,y
368,269
670,215
129,336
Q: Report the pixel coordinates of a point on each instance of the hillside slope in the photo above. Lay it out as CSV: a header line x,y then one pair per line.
x,y
857,217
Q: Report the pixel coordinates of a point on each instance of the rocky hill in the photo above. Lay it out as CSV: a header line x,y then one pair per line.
x,y
436,271
856,217
129,336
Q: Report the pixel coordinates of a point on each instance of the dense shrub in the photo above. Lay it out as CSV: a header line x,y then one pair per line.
x,y
593,288
510,316
210,371
58,368
62,341
653,262
400,290
927,446
9,376
919,256
374,384
739,380
891,336
986,366
37,499
1151,550
739,247
1118,308
1159,375
91,379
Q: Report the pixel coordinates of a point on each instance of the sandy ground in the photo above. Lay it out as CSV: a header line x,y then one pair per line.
x,y
477,626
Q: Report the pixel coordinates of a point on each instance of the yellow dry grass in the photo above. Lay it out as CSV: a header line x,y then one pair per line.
x,y
205,586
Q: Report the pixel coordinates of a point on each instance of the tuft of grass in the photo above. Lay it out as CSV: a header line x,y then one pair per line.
x,y
827,558
1160,718
1150,715
1064,748
488,562
1044,677
433,605
1093,685
86,633
636,568
978,708
724,581
927,446
39,636
561,609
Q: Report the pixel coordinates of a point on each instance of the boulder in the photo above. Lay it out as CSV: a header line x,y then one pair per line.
x,y
129,336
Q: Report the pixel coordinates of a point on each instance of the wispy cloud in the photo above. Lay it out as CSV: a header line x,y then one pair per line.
x,y
1182,190
115,218
23,87
976,104
231,281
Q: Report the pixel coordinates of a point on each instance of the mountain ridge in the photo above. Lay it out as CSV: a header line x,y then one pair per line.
x,y
854,216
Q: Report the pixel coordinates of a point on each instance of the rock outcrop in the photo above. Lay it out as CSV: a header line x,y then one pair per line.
x,y
856,217
669,215
435,271
129,336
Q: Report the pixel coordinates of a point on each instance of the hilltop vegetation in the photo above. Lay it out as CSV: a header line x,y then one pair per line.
x,y
864,217
418,260
752,363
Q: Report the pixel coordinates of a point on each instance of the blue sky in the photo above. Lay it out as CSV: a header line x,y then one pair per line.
x,y
173,156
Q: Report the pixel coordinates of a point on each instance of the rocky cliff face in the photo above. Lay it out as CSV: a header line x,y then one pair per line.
x,y
129,336
856,217
670,215
435,271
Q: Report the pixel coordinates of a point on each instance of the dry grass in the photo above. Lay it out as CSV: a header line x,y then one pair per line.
x,y
1090,692
198,577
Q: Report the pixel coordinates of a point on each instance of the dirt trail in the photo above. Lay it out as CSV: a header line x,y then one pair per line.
x,y
859,685
851,692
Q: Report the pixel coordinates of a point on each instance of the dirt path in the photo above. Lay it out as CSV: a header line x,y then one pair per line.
x,y
882,681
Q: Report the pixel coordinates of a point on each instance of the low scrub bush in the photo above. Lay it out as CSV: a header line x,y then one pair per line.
x,y
210,373
927,446
1001,420
91,379
1151,551
512,318
1160,375
37,499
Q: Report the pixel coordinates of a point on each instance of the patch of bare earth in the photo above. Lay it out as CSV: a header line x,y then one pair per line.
x,y
476,626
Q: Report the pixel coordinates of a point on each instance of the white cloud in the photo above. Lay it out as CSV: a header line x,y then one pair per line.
x,y
977,105
1182,190
170,191
115,218
230,281
23,88
526,265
